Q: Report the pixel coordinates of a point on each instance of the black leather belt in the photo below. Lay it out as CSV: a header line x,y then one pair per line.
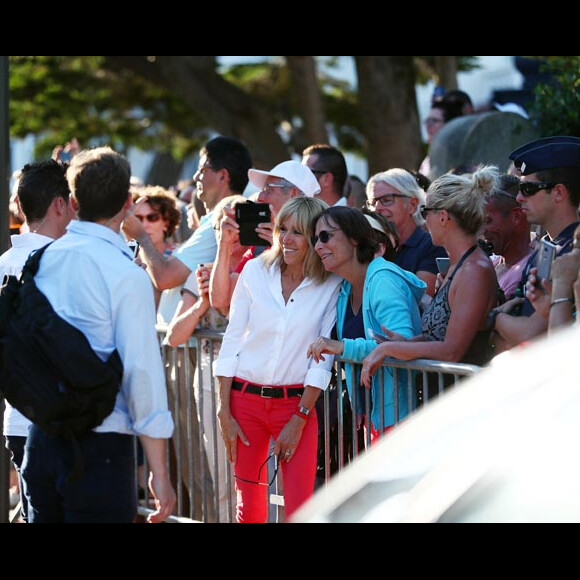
x,y
268,392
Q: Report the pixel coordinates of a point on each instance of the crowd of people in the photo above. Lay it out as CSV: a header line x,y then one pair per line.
x,y
396,268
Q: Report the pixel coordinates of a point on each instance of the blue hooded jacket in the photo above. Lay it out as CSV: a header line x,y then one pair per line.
x,y
391,299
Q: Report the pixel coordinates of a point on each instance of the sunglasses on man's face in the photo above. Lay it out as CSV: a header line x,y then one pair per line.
x,y
152,218
323,237
530,188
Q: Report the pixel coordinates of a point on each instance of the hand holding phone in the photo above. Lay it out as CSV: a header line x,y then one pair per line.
x,y
546,258
249,216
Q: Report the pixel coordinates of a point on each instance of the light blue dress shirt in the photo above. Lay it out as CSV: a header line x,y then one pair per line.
x,y
89,278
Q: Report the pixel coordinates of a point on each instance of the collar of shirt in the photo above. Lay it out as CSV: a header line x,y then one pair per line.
x,y
29,239
101,232
567,235
415,240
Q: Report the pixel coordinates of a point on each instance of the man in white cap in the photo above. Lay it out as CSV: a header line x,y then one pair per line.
x,y
277,187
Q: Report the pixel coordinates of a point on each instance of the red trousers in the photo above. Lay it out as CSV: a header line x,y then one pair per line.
x,y
262,420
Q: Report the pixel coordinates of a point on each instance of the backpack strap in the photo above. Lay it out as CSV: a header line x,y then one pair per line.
x,y
33,264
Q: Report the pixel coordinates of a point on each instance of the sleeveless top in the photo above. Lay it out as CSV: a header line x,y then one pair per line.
x,y
437,316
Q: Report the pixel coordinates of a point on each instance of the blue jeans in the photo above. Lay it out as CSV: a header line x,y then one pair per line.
x,y
106,492
16,446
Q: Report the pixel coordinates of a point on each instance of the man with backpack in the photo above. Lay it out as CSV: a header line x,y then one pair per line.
x,y
91,283
44,198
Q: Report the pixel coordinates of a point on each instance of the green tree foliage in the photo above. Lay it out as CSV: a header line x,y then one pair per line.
x,y
557,106
59,97
125,102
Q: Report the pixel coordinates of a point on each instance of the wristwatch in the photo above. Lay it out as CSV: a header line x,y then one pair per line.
x,y
304,413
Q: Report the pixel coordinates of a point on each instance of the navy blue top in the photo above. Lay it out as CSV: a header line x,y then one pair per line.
x,y
565,241
419,254
354,324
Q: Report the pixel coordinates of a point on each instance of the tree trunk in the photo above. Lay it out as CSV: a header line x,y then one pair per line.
x,y
446,67
309,99
228,109
389,111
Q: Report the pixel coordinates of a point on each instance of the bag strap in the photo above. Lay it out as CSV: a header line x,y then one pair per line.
x,y
33,264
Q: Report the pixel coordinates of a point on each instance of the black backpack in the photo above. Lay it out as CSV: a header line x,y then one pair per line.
x,y
48,370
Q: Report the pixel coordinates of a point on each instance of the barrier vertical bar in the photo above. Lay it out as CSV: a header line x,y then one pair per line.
x,y
341,433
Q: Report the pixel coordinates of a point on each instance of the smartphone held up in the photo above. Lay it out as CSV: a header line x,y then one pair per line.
x,y
249,216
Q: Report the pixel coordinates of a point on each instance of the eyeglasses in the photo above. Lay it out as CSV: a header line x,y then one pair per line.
x,y
385,201
425,211
271,188
261,484
529,189
323,237
433,121
152,218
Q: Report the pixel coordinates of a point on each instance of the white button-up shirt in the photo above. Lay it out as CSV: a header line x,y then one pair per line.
x,y
11,264
90,280
267,340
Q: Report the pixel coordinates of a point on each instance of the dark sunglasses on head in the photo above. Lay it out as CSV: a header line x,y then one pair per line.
x,y
323,237
529,189
152,218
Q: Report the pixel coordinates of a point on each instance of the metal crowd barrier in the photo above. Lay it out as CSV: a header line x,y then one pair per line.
x,y
196,455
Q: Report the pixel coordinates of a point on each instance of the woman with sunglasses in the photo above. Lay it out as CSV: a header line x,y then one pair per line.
x,y
268,388
455,325
157,210
376,293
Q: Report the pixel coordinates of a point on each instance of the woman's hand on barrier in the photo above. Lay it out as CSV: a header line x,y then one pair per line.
x,y
289,440
372,364
231,432
325,346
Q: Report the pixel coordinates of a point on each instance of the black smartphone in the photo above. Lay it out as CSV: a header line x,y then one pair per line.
x,y
249,216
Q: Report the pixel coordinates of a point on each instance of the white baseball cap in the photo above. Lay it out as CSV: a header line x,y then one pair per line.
x,y
294,172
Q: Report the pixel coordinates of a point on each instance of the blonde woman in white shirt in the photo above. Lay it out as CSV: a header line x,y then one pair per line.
x,y
268,387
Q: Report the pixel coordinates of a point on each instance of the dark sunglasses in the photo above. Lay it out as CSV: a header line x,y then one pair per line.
x,y
261,484
425,211
152,218
323,237
529,189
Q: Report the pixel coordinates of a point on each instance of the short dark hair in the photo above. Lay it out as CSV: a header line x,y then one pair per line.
x,y
231,154
40,184
330,160
568,176
355,227
458,101
450,112
99,179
